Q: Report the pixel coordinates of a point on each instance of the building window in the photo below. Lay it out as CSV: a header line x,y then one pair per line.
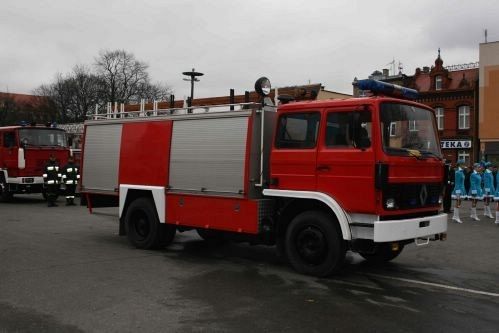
x,y
439,113
412,126
393,129
438,82
464,117
464,155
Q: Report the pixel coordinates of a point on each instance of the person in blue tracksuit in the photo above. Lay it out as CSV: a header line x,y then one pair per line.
x,y
496,198
475,192
459,192
488,189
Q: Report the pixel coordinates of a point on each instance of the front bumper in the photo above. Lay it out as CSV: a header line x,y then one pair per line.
x,y
26,180
22,185
421,227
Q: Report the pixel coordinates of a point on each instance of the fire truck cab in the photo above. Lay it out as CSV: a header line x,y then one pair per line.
x,y
314,178
24,151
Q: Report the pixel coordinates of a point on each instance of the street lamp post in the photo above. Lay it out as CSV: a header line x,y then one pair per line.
x,y
193,78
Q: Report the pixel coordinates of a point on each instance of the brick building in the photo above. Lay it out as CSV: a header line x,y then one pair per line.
x,y
17,107
489,101
452,92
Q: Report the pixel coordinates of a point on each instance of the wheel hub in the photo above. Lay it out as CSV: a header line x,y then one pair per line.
x,y
141,225
311,245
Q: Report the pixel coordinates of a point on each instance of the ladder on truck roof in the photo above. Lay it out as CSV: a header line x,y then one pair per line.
x,y
114,113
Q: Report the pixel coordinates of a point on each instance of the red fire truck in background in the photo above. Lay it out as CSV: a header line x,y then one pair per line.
x,y
24,151
316,178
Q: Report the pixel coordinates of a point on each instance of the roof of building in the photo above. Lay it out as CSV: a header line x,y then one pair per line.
x,y
23,99
461,79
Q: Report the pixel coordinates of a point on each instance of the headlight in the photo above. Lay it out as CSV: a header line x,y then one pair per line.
x,y
262,86
440,200
390,203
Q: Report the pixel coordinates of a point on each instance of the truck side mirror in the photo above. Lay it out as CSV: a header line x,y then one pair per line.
x,y
21,161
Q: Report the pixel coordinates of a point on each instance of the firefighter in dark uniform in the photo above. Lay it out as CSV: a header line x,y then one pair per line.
x,y
70,179
51,178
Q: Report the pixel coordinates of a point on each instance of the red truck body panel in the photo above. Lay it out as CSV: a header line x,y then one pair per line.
x,y
141,162
228,214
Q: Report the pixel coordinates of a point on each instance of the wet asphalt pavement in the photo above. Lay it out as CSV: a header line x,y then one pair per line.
x,y
64,270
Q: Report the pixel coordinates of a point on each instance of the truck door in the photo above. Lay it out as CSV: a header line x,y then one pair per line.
x,y
295,151
345,159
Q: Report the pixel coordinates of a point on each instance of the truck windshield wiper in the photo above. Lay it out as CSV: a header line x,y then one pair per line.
x,y
406,151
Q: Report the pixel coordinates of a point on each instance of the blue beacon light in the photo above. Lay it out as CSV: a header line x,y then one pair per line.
x,y
388,89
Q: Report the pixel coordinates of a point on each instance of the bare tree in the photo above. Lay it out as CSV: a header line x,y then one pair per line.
x,y
74,95
7,110
158,91
122,75
60,92
118,77
86,88
125,79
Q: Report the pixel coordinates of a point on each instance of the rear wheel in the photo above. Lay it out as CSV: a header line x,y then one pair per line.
x,y
382,253
143,228
314,244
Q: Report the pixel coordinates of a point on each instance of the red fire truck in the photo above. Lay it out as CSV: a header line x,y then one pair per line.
x,y
315,178
24,151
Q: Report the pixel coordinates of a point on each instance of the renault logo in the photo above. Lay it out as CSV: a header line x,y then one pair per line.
x,y
423,195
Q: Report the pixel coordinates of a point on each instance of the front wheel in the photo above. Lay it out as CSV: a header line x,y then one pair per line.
x,y
314,244
143,228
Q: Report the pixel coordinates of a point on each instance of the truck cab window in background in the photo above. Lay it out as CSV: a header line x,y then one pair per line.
x,y
9,139
348,129
42,137
416,129
298,130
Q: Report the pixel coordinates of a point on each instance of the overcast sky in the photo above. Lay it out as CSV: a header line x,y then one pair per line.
x,y
236,41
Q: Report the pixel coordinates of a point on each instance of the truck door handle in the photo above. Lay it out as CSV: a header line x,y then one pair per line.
x,y
323,168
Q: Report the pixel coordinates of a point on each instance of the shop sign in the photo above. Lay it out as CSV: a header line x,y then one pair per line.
x,y
455,144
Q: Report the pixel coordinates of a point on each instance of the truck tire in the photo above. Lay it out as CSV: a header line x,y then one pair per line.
x,y
143,229
5,195
382,254
314,244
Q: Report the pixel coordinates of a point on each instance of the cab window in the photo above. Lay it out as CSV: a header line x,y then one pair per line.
x,y
349,129
9,139
298,130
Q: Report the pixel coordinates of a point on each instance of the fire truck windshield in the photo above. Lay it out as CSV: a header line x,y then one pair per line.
x,y
406,129
37,137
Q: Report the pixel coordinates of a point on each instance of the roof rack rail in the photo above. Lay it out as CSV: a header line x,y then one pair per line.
x,y
112,113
